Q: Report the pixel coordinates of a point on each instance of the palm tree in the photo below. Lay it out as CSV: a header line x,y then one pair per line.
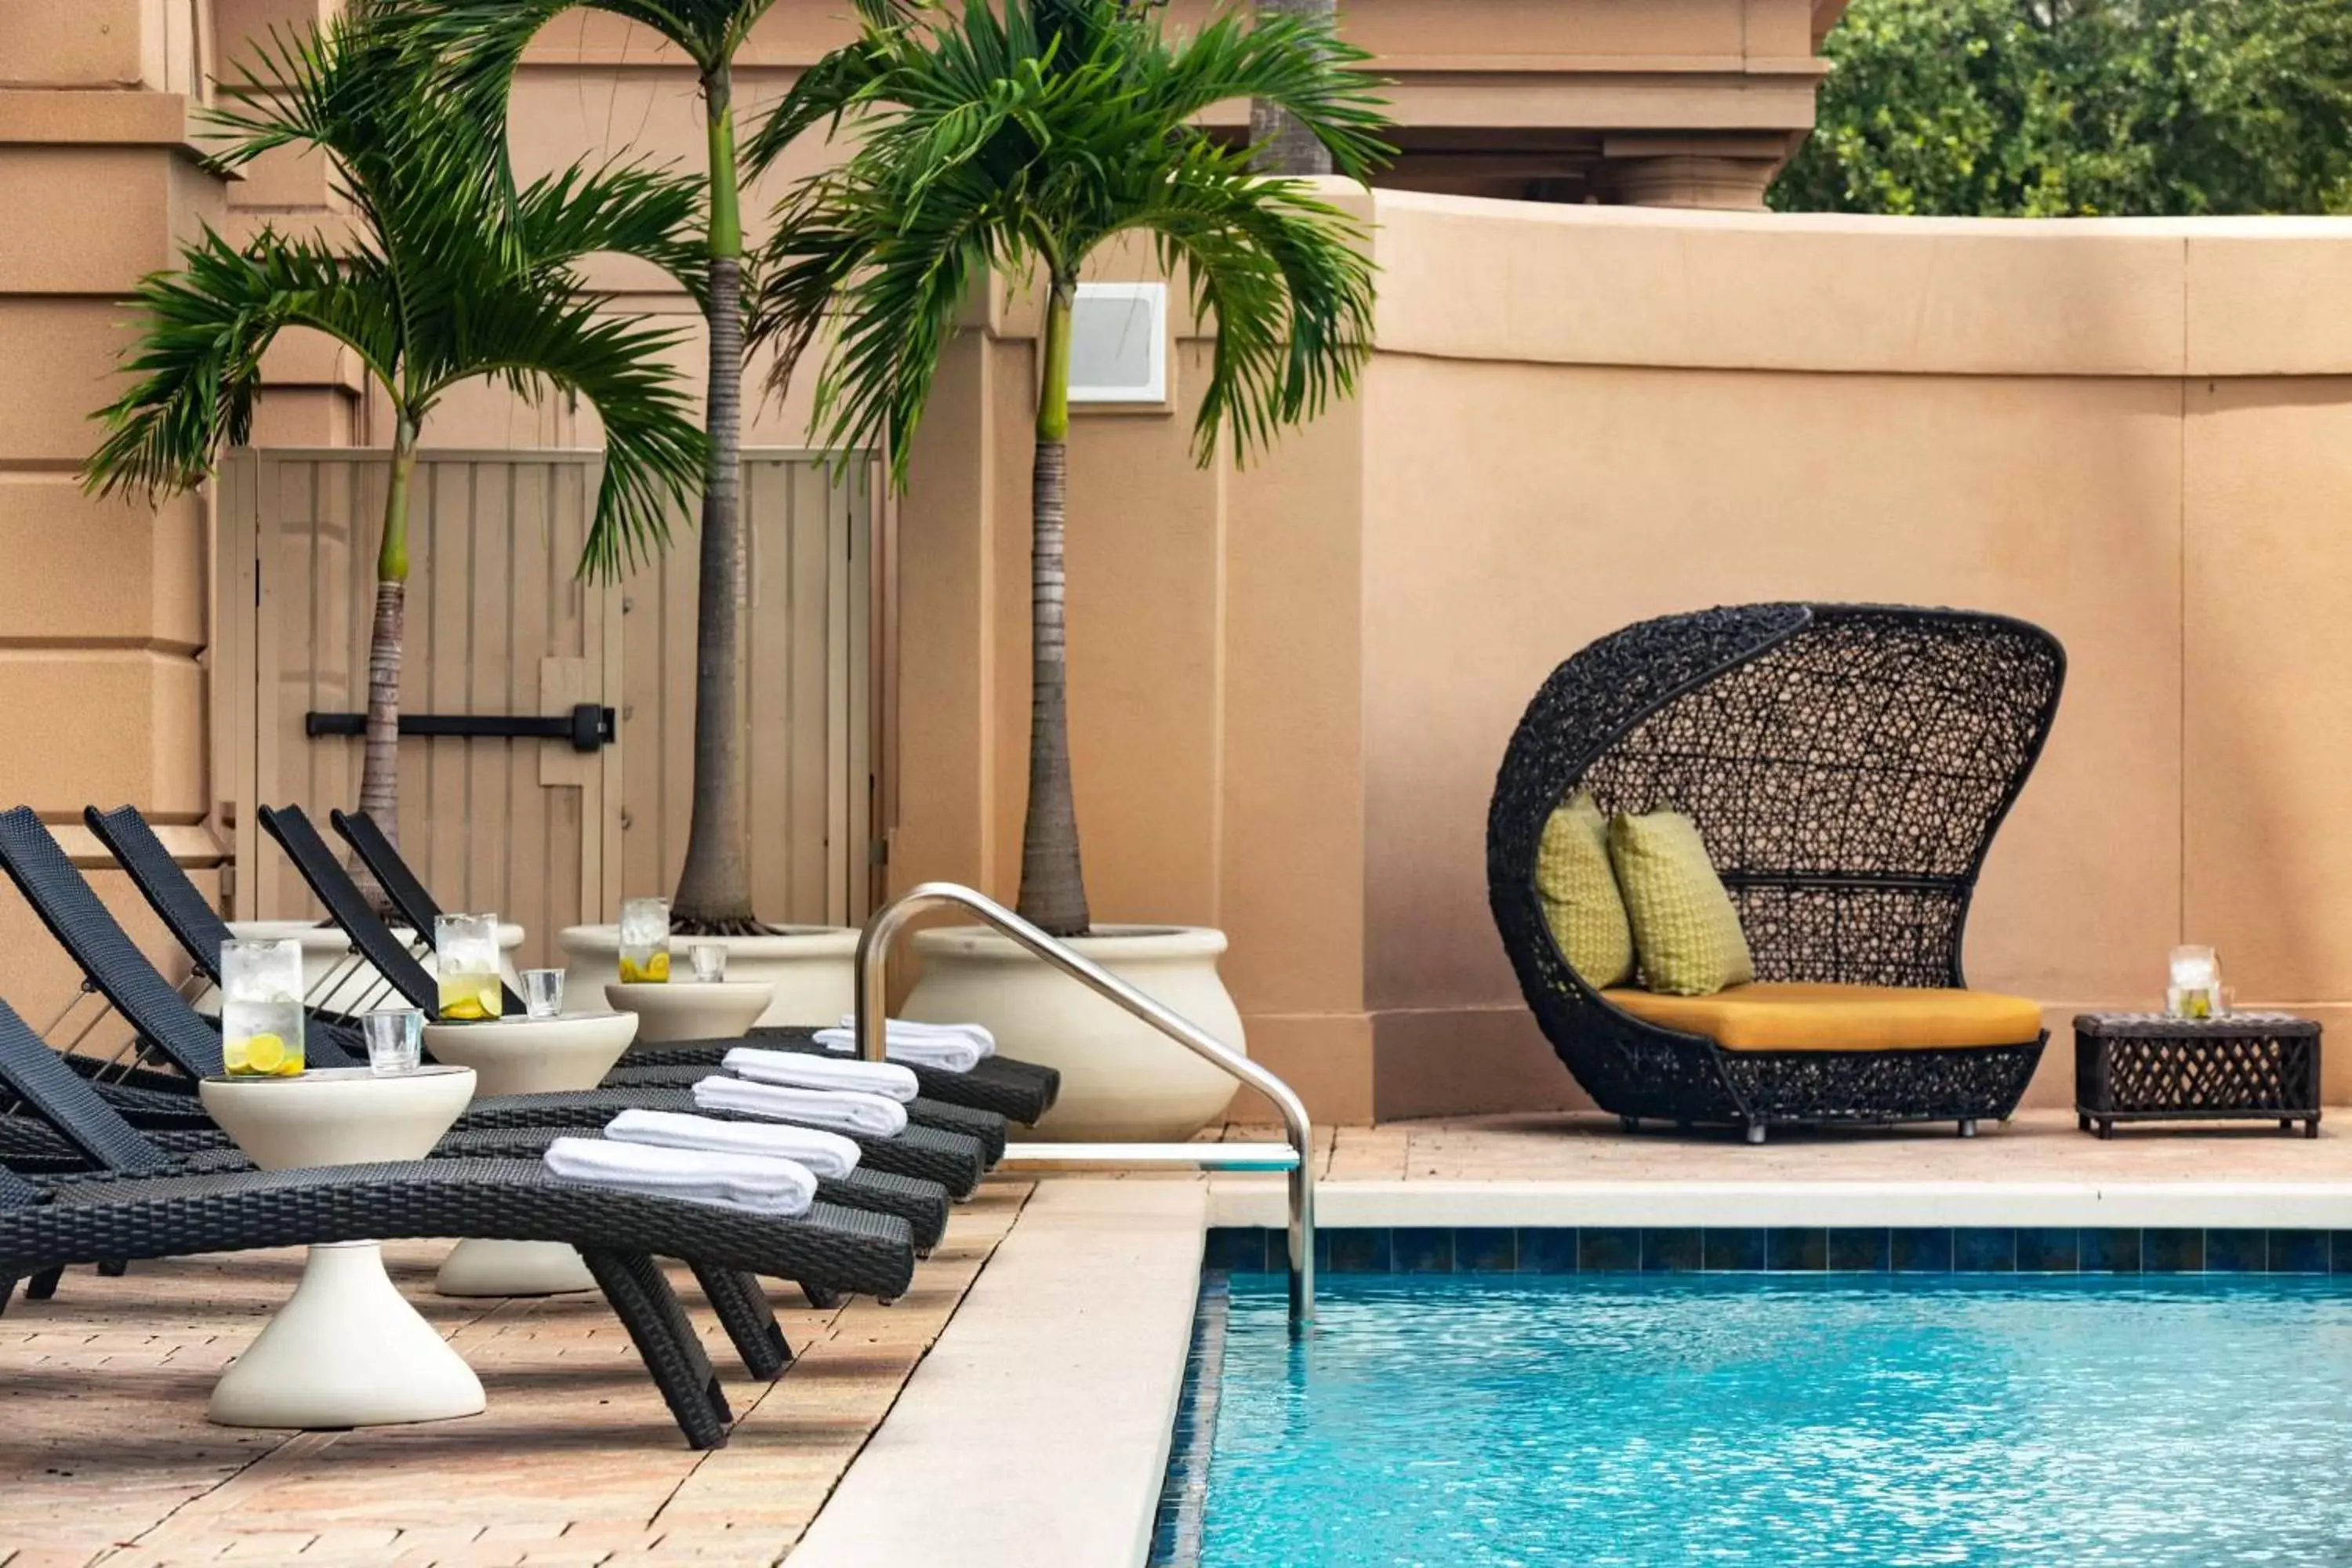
x,y
437,284
480,42
1285,146
1024,143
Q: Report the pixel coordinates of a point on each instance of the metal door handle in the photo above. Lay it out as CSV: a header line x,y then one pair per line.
x,y
587,726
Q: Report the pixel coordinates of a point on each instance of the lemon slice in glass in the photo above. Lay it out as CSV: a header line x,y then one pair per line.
x,y
265,1054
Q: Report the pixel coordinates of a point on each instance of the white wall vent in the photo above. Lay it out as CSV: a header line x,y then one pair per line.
x,y
1119,344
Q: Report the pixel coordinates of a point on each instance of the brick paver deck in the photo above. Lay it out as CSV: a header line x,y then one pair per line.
x,y
105,1455
2038,1146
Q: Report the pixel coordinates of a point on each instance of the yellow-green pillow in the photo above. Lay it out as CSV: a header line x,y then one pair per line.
x,y
1685,927
1580,901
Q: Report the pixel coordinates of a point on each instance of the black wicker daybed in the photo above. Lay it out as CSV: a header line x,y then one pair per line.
x,y
1847,767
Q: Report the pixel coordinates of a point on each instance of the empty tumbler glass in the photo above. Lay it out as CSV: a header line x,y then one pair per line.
x,y
709,959
542,992
261,1008
465,957
395,1040
644,940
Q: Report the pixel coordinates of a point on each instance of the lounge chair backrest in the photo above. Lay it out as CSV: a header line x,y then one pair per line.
x,y
178,902
347,906
67,904
408,894
67,1101
381,856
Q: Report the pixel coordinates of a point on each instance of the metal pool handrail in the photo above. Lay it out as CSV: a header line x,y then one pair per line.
x,y
875,943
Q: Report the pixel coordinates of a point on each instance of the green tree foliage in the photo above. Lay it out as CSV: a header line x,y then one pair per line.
x,y
1019,138
2076,107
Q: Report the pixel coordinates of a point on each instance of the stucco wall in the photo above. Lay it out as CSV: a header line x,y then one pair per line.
x,y
103,603
1292,684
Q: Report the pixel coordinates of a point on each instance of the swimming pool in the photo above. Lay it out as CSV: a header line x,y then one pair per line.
x,y
1483,1421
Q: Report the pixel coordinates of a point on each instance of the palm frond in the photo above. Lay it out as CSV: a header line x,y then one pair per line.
x,y
994,136
625,209
536,338
442,283
1286,277
198,358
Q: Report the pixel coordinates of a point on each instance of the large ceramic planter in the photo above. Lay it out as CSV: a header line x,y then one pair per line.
x,y
812,967
1122,1080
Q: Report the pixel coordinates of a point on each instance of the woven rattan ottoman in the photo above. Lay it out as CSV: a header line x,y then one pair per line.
x,y
2147,1067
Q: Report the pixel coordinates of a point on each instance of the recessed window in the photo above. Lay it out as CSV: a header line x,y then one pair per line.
x,y
1119,344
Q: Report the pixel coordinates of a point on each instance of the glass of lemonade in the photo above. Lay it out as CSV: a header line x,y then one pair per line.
x,y
261,1008
466,958
644,940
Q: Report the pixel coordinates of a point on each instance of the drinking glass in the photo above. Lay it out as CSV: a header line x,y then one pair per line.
x,y
709,959
261,1008
644,940
395,1040
465,957
542,992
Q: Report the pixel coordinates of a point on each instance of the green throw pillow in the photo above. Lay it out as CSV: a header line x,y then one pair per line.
x,y
1580,901
1685,927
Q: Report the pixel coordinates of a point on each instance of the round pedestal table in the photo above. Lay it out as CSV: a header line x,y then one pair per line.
x,y
692,1009
527,1056
346,1350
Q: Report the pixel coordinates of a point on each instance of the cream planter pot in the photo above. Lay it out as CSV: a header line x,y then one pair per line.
x,y
1122,1080
810,967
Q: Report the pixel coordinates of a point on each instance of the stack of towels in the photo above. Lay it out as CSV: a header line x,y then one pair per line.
x,y
947,1048
868,1099
751,1165
763,1165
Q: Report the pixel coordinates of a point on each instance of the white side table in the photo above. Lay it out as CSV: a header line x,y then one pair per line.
x,y
527,1056
346,1350
692,1009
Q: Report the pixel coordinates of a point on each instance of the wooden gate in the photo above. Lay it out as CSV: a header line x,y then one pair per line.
x,y
499,627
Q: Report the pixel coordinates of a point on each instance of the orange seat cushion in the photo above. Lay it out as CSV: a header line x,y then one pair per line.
x,y
1773,1016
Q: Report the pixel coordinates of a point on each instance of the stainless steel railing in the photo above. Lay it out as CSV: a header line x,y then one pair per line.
x,y
880,939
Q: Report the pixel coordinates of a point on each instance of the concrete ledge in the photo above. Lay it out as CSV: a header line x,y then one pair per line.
x,y
2325,1204
1035,1434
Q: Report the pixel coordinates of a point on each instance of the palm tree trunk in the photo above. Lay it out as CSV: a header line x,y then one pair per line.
x,y
714,889
380,761
1053,887
1284,146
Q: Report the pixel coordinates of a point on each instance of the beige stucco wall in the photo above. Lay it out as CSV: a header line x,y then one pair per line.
x,y
1292,685
104,610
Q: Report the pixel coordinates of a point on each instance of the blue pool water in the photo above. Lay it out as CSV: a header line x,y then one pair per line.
x,y
1478,1422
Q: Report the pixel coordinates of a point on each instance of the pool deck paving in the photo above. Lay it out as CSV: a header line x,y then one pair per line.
x,y
1576,1168
2037,1146
105,1455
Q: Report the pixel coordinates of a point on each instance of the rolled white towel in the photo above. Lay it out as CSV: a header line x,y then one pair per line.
x,y
827,1154
948,1047
798,1069
867,1115
753,1182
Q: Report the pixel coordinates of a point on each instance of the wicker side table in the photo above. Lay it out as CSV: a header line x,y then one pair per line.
x,y
2148,1066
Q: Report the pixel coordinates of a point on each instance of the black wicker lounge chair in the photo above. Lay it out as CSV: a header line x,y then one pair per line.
x,y
375,941
168,1026
73,1108
923,1205
146,1206
1017,1090
1847,767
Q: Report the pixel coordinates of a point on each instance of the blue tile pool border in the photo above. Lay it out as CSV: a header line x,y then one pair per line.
x,y
1184,1494
1787,1249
